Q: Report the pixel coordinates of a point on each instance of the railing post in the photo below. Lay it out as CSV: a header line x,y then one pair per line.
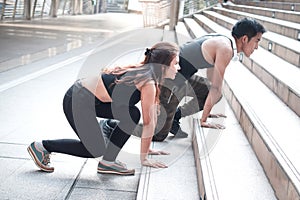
x,y
53,9
96,6
15,9
27,9
103,7
34,7
76,7
43,7
73,7
174,10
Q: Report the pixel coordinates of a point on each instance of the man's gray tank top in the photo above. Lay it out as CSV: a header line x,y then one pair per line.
x,y
191,57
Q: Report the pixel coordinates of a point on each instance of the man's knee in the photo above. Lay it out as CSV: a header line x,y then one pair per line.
x,y
159,137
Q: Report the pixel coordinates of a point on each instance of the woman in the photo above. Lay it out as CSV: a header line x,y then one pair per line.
x,y
114,95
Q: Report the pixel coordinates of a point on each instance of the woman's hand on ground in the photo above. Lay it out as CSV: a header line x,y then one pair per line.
x,y
157,152
153,163
212,125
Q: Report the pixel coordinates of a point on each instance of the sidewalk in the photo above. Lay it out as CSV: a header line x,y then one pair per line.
x,y
23,42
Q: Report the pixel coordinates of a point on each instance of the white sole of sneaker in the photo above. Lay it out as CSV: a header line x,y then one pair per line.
x,y
117,173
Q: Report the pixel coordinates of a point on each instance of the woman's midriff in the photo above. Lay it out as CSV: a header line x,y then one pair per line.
x,y
97,87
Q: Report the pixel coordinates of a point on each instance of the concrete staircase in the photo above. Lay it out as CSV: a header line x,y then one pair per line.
x,y
257,155
263,92
117,6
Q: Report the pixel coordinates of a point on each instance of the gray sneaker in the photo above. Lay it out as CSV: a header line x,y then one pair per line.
x,y
115,168
40,158
177,131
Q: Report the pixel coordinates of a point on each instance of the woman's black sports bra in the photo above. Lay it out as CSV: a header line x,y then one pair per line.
x,y
121,94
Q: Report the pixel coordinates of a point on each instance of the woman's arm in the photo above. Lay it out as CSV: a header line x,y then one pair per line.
x,y
149,112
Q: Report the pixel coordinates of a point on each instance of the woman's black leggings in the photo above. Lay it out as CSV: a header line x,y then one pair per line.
x,y
81,111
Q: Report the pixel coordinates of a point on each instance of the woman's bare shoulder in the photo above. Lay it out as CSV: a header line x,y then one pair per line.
x,y
147,84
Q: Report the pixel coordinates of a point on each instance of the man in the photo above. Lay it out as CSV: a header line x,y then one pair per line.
x,y
212,52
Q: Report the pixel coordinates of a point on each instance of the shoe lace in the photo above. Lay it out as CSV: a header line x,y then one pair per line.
x,y
46,159
120,163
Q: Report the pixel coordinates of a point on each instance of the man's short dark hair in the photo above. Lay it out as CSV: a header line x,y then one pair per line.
x,y
247,26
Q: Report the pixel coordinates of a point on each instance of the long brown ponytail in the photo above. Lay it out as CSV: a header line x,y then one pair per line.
x,y
156,60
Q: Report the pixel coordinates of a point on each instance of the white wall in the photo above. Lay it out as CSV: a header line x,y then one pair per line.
x,y
134,5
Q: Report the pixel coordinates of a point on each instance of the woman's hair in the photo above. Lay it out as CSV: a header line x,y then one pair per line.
x,y
247,26
156,60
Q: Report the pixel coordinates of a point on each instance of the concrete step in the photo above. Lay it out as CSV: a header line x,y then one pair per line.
x,y
255,110
292,16
291,6
182,33
227,165
116,7
286,28
289,1
279,75
210,25
169,35
193,27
